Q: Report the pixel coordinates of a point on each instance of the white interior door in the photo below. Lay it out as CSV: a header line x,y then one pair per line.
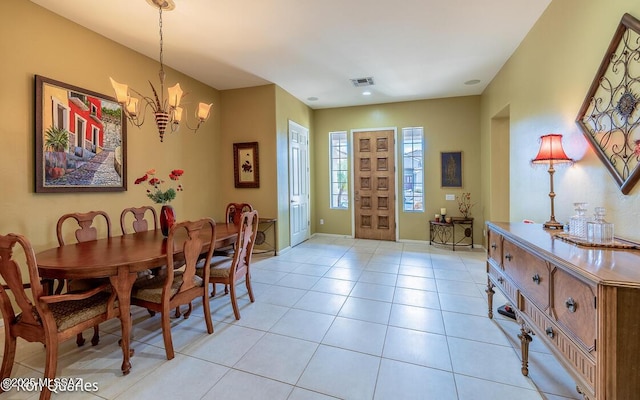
x,y
299,182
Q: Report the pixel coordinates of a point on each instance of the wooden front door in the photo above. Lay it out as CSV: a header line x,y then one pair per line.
x,y
374,183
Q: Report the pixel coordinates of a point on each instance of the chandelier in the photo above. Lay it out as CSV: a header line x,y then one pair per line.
x,y
167,111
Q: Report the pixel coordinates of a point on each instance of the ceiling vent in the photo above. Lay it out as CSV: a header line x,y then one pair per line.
x,y
359,82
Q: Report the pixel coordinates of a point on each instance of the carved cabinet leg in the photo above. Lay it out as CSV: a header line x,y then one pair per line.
x,y
525,339
490,294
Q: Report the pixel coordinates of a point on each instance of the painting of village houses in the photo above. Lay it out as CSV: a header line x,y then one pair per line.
x,y
80,140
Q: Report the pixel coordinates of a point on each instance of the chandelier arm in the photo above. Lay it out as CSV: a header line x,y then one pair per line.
x,y
135,119
186,123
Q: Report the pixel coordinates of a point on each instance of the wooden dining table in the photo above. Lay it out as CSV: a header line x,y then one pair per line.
x,y
118,258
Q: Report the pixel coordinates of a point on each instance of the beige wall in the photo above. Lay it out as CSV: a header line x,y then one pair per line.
x,y
288,108
543,85
449,125
35,41
248,115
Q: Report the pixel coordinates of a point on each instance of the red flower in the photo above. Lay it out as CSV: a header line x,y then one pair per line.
x,y
141,179
157,194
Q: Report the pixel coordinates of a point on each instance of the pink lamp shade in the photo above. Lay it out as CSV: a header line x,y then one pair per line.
x,y
551,150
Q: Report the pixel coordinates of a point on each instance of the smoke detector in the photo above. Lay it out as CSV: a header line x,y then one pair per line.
x,y
360,82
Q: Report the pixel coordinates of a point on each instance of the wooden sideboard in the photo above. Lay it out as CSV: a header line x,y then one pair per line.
x,y
583,302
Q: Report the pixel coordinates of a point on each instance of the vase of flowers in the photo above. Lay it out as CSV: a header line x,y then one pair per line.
x,y
162,196
465,204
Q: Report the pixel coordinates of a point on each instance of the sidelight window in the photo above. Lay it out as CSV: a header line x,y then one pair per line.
x,y
413,172
339,151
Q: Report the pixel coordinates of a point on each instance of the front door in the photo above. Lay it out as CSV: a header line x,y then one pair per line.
x,y
374,183
299,183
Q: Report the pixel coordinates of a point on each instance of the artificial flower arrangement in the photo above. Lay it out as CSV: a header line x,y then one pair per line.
x,y
156,194
465,204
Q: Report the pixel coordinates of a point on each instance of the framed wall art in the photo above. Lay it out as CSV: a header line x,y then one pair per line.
x,y
80,140
451,169
609,117
246,165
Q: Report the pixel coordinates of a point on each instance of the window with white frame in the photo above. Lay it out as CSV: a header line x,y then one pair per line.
x,y
339,174
413,172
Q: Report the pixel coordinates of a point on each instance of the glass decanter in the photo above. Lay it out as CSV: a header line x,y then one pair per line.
x,y
578,223
599,231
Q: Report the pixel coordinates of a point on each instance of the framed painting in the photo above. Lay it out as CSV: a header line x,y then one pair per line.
x,y
246,165
80,140
451,169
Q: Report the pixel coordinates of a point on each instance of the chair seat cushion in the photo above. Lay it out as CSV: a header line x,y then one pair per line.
x,y
151,289
72,312
220,267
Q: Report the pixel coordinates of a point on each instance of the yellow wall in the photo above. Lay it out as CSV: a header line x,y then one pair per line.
x,y
248,115
543,86
36,41
261,114
449,125
288,108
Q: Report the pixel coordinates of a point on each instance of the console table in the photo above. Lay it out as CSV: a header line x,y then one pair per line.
x,y
265,244
582,302
458,232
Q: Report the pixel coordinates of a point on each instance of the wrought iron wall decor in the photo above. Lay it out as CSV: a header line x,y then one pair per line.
x,y
610,116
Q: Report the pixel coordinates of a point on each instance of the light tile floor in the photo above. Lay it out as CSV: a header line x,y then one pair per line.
x,y
333,318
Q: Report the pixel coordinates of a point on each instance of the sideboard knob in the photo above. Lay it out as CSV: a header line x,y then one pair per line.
x,y
536,279
508,256
571,304
550,332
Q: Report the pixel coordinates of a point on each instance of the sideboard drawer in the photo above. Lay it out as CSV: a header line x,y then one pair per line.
x,y
529,272
574,307
501,282
582,362
495,246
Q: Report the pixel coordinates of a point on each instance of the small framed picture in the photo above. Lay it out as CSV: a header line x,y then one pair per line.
x,y
451,169
246,165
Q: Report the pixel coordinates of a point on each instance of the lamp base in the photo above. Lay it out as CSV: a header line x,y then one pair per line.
x,y
552,225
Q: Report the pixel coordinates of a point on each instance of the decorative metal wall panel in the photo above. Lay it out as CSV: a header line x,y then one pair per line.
x,y
610,116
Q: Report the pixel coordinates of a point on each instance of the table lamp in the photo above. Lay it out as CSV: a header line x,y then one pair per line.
x,y
551,152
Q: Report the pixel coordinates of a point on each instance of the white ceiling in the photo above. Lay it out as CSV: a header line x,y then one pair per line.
x,y
413,49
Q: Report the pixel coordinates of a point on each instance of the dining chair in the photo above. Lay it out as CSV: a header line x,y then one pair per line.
x,y
233,214
229,271
85,231
167,291
141,218
45,318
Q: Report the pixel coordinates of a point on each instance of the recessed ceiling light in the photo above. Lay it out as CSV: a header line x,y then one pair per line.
x,y
313,98
366,93
472,82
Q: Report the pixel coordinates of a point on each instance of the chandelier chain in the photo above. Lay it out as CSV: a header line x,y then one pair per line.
x,y
161,50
